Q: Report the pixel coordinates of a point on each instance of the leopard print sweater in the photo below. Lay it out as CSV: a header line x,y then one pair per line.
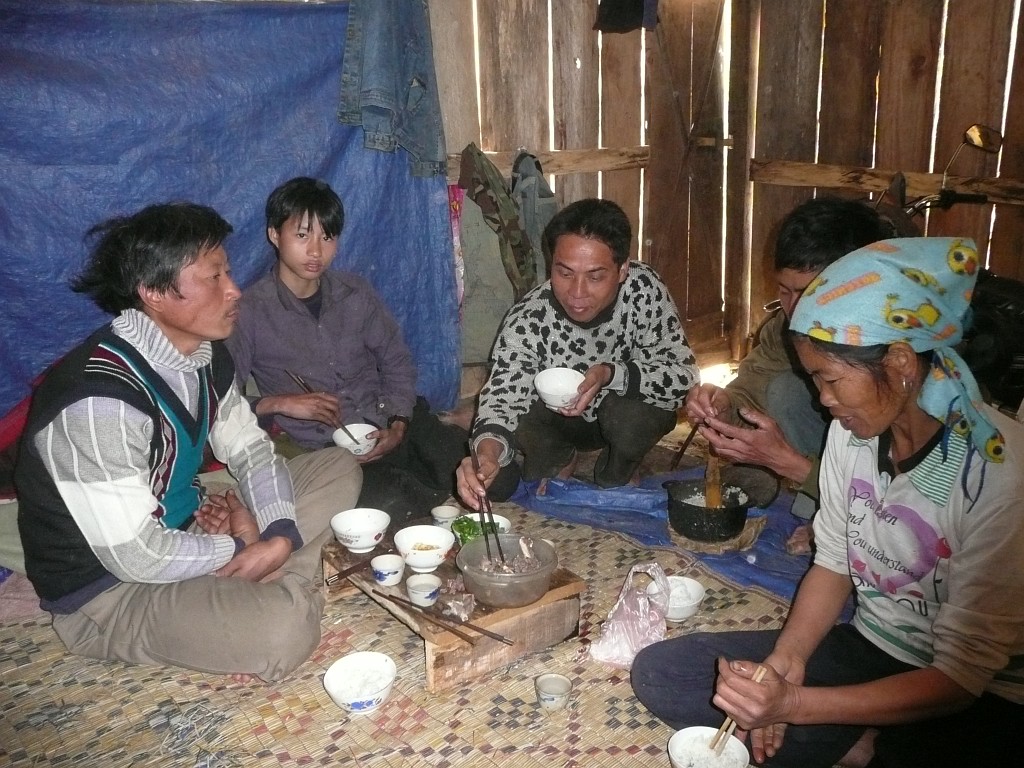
x,y
641,335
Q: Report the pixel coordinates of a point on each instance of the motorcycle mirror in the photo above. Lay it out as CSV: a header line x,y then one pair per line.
x,y
897,190
984,138
980,136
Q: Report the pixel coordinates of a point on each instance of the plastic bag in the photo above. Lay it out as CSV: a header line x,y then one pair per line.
x,y
635,621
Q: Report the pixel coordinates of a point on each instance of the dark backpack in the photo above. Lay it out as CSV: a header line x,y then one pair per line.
x,y
994,342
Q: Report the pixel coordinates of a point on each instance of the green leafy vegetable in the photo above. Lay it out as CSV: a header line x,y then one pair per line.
x,y
467,528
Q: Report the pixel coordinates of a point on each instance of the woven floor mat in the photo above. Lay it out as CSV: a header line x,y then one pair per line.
x,y
60,710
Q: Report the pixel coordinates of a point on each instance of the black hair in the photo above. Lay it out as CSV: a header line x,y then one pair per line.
x,y
824,229
304,196
147,250
593,219
869,358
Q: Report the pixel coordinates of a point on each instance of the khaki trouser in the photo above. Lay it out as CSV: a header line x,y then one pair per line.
x,y
227,625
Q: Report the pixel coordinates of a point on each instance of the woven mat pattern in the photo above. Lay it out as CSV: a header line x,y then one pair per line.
x,y
60,710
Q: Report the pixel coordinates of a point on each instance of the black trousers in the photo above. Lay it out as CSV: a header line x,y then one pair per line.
x,y
675,679
420,472
624,431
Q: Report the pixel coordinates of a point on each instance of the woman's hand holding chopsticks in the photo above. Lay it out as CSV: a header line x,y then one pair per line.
x,y
756,698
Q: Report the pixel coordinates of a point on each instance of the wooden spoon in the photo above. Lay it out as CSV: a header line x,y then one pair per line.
x,y
712,484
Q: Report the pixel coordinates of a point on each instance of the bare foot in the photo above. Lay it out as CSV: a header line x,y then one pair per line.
x,y
566,472
243,678
801,540
860,754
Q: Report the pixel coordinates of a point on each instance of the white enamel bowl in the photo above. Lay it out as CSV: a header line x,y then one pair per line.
x,y
558,387
360,529
685,597
690,748
360,682
424,547
362,443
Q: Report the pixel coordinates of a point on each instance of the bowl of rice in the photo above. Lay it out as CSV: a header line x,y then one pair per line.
x,y
691,748
360,682
685,597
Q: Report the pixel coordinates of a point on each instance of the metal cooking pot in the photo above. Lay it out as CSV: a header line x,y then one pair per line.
x,y
710,525
700,523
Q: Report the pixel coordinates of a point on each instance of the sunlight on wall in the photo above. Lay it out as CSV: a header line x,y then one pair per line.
x,y
719,375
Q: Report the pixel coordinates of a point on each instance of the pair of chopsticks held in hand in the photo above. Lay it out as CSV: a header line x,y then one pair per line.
x,y
485,509
301,383
722,735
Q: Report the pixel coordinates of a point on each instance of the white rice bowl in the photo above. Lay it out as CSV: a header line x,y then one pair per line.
x,y
690,748
360,682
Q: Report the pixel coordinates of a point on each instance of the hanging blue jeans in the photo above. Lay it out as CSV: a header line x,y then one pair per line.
x,y
388,85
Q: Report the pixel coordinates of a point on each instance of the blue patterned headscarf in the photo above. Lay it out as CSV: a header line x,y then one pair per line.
x,y
917,290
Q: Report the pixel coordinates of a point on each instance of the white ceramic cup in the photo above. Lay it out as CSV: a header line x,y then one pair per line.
x,y
388,569
444,515
552,691
423,589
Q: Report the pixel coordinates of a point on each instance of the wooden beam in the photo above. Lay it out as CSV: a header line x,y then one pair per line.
x,y
566,161
791,173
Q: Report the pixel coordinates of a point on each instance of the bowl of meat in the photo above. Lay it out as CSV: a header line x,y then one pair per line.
x,y
521,578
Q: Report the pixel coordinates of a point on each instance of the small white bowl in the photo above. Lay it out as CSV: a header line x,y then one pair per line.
x,y
387,569
360,529
424,547
423,589
362,444
558,387
685,597
691,746
360,682
444,515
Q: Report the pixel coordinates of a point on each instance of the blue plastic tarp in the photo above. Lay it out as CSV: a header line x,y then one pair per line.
x,y
642,514
107,107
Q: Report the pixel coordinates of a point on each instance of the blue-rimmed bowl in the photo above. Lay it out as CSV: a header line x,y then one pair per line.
x,y
360,682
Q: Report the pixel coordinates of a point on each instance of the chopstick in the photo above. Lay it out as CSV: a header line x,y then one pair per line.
x,y
449,626
301,382
468,624
330,581
684,446
729,725
485,506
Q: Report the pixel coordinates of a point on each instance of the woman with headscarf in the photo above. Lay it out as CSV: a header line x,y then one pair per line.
x,y
921,517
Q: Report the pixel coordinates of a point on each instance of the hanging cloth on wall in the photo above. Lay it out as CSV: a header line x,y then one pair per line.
x,y
537,205
486,187
626,15
388,82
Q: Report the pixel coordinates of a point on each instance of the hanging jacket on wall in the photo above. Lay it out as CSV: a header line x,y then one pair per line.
x,y
537,205
486,187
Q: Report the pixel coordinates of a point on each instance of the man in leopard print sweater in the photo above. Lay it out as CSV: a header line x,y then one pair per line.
x,y
612,320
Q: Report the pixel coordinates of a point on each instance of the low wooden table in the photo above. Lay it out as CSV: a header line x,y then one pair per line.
x,y
450,660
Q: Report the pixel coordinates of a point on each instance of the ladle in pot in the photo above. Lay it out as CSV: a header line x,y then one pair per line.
x,y
712,484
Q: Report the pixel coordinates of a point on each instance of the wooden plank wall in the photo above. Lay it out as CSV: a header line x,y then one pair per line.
x,y
517,108
902,45
684,236
832,83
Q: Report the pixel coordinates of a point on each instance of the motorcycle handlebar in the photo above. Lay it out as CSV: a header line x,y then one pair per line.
x,y
945,200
